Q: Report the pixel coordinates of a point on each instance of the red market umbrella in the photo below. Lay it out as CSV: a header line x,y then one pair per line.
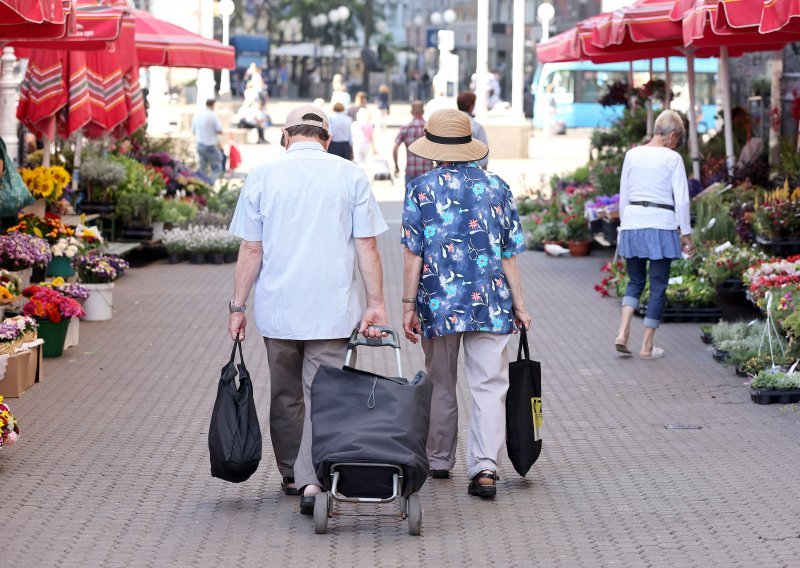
x,y
563,47
95,27
164,44
779,14
26,19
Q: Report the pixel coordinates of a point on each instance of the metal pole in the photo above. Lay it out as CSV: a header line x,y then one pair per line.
x,y
8,103
205,77
518,60
650,113
482,44
725,84
694,146
667,84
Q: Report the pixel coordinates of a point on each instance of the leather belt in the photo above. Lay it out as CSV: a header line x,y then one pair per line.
x,y
651,204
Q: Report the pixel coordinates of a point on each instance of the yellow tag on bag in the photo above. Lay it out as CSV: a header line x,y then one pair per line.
x,y
536,407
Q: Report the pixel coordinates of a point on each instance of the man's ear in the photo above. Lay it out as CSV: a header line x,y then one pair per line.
x,y
284,138
327,143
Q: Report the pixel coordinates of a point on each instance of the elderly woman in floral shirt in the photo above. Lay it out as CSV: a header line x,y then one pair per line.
x,y
462,232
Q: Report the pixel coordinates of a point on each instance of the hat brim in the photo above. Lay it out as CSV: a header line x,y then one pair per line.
x,y
469,152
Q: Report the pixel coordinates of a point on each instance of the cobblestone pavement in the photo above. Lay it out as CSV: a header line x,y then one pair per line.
x,y
112,466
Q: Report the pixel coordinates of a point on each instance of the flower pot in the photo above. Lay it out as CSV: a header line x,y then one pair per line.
x,y
197,257
158,230
7,347
579,248
53,335
763,396
137,233
24,276
175,257
215,258
99,207
230,257
60,266
98,306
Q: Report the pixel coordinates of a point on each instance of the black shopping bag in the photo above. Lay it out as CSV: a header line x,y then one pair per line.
x,y
234,438
524,409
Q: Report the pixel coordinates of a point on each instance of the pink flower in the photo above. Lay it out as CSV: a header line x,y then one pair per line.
x,y
476,296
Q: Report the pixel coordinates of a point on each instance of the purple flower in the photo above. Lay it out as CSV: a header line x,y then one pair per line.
x,y
20,251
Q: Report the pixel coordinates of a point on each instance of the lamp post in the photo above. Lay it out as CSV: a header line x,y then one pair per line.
x,y
225,9
546,12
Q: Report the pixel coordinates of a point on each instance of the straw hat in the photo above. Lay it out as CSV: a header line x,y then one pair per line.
x,y
448,138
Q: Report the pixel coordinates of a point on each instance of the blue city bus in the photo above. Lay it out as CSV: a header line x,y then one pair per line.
x,y
577,86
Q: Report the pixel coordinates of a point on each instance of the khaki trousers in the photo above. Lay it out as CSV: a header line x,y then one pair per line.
x,y
486,369
292,366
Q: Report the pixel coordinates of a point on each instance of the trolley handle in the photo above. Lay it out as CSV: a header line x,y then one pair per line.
x,y
391,339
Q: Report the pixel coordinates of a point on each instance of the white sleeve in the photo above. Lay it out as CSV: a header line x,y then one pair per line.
x,y
367,218
624,190
680,195
247,222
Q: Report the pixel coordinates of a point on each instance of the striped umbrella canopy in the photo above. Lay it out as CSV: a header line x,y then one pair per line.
x,y
779,15
164,44
562,47
44,19
95,27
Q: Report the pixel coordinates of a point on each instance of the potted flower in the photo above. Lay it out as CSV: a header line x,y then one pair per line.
x,y
578,239
21,253
63,251
46,184
137,212
97,273
52,311
9,429
175,242
774,386
100,178
10,336
776,220
90,238
10,288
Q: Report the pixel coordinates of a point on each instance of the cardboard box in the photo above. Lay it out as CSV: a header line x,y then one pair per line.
x,y
23,369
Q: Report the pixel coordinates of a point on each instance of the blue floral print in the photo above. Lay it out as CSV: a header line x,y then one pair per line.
x,y
462,221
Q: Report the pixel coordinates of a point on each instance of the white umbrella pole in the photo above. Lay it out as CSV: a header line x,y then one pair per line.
x,y
76,163
694,146
667,84
8,101
46,152
650,113
725,84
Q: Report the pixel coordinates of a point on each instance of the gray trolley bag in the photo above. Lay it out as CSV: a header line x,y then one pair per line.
x,y
369,434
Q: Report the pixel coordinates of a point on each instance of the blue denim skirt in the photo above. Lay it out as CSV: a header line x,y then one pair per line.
x,y
654,244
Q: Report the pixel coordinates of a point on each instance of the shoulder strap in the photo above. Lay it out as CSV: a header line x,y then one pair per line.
x,y
523,345
236,344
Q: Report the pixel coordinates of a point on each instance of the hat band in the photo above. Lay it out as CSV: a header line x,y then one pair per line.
x,y
449,140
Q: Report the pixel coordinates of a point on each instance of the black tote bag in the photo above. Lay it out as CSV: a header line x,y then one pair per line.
x,y
234,438
524,409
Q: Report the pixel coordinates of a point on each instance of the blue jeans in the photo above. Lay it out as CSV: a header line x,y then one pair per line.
x,y
210,157
659,279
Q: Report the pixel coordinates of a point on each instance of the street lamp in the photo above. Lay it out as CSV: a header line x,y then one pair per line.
x,y
225,9
546,12
436,18
449,16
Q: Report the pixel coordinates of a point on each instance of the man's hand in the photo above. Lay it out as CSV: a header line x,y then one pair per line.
x,y
237,322
372,316
411,325
522,318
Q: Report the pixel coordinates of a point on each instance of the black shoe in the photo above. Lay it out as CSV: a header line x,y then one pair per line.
x,y
488,491
289,490
440,473
307,504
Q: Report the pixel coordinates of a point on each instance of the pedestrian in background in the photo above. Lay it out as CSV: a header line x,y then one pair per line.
x,y
360,102
306,300
383,100
654,206
341,133
466,103
461,285
207,128
339,91
363,137
408,134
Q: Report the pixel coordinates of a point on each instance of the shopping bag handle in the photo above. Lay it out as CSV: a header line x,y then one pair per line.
x,y
236,343
523,344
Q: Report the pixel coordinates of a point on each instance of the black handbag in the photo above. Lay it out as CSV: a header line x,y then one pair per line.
x,y
524,409
234,437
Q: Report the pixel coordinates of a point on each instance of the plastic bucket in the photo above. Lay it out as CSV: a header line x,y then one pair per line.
x,y
53,335
98,306
60,266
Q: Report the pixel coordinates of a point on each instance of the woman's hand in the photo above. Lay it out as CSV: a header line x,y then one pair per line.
x,y
687,245
522,318
411,324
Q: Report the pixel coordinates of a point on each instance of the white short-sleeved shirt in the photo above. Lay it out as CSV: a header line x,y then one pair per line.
x,y
206,126
655,174
306,207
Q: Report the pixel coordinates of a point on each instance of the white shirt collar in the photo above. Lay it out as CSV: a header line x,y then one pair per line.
x,y
305,146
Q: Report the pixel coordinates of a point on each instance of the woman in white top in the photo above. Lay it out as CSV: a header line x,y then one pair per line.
x,y
654,207
341,136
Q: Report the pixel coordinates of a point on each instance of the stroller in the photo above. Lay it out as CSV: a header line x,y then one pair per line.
x,y
368,437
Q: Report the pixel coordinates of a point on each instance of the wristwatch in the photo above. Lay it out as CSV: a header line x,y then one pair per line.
x,y
234,309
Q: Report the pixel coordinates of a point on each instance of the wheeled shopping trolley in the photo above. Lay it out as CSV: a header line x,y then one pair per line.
x,y
369,434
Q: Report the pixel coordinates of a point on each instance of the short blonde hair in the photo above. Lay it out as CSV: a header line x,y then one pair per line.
x,y
668,122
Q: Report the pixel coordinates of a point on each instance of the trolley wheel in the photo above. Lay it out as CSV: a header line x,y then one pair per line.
x,y
321,513
414,515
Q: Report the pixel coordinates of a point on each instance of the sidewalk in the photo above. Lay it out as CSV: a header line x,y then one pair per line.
x,y
112,465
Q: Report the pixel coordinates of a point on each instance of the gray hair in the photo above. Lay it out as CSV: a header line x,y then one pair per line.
x,y
668,122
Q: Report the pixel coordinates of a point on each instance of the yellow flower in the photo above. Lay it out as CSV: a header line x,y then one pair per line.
x,y
5,294
58,281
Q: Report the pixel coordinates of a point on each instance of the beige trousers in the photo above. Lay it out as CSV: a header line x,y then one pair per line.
x,y
486,369
292,366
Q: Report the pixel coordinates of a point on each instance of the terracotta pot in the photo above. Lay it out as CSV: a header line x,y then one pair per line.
x,y
579,248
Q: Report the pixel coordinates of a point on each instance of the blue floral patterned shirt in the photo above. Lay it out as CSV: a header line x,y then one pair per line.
x,y
462,221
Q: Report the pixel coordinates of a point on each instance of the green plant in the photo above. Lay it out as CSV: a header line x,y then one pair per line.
x,y
714,221
776,380
577,228
140,208
730,263
101,178
224,201
548,231
177,213
138,179
725,331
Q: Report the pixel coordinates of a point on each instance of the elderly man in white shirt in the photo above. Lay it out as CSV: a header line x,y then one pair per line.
x,y
206,128
654,206
305,218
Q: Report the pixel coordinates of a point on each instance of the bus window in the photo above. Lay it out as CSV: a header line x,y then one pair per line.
x,y
591,84
561,85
